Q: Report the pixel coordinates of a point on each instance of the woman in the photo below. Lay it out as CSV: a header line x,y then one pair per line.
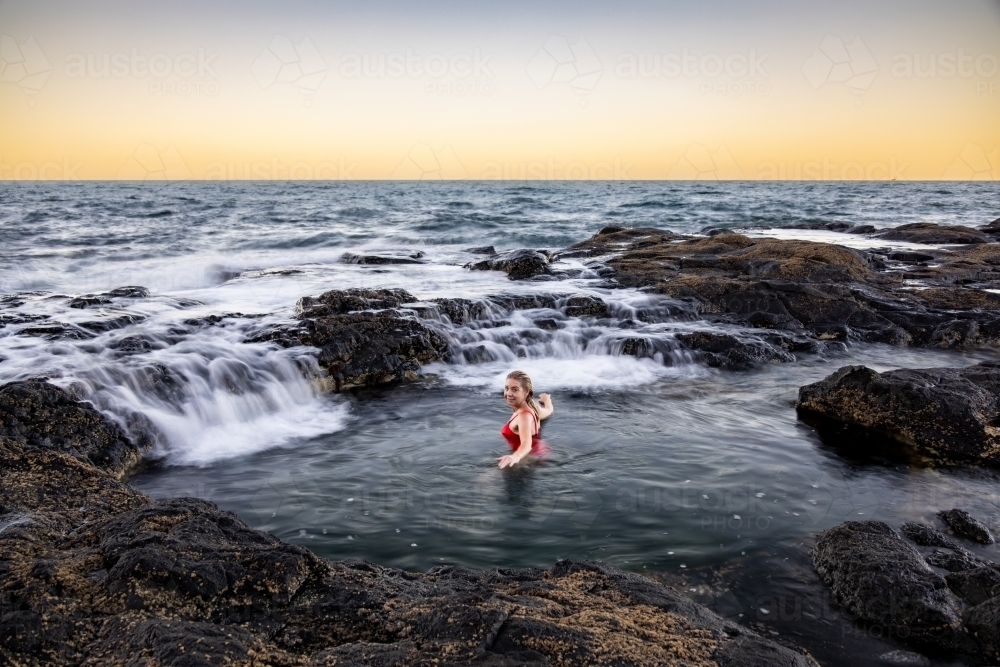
x,y
521,430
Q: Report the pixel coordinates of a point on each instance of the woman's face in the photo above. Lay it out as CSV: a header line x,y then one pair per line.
x,y
514,393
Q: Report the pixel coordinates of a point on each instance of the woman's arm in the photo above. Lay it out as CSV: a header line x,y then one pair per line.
x,y
545,401
523,422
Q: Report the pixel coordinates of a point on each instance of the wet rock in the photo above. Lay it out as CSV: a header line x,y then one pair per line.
x,y
362,338
947,414
89,300
111,323
829,291
547,323
904,659
862,229
910,256
963,524
882,580
583,306
462,311
336,302
721,350
20,318
43,416
982,623
991,228
954,560
482,250
476,354
977,585
131,345
925,536
351,258
56,331
129,292
831,226
517,264
927,232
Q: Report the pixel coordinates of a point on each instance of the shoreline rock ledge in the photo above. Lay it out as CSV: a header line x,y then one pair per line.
x,y
949,415
92,572
887,582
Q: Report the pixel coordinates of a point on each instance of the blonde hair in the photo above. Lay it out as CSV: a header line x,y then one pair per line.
x,y
525,382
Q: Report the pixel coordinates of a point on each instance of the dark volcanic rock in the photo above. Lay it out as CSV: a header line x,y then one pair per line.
x,y
56,331
129,292
975,586
819,289
862,229
111,323
362,338
89,300
99,574
963,524
885,582
910,256
721,350
336,302
882,580
517,264
44,417
482,250
954,560
351,258
927,232
991,228
947,414
926,536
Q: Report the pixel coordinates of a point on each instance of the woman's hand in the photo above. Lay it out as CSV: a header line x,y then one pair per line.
x,y
547,408
508,460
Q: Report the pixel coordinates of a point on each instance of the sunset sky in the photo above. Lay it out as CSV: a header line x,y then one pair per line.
x,y
619,90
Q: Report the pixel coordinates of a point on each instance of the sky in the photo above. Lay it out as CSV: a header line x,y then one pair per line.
x,y
870,89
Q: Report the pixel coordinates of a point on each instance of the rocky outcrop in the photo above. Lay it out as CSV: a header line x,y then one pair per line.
x,y
106,298
946,414
354,258
721,350
41,417
363,338
517,264
819,289
962,523
928,232
94,572
875,575
884,581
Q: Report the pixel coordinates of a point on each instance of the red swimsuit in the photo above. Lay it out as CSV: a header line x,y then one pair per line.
x,y
513,439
